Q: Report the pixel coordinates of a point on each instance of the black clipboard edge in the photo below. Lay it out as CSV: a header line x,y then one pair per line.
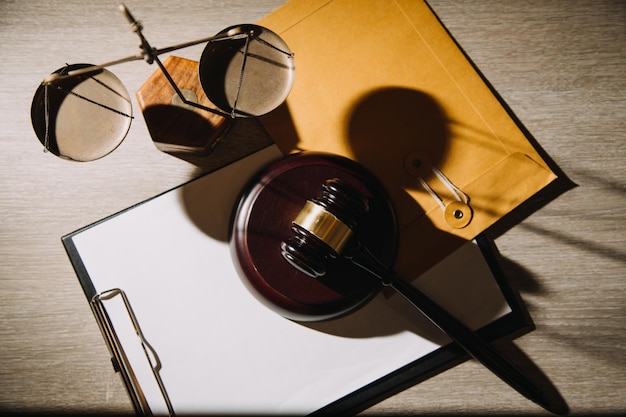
x,y
513,325
79,267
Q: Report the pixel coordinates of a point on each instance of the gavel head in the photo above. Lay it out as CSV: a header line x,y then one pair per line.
x,y
324,227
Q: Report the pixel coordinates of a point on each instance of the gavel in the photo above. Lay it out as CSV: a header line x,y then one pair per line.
x,y
325,229
314,237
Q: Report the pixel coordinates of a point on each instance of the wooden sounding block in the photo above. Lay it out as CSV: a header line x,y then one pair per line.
x,y
264,218
176,127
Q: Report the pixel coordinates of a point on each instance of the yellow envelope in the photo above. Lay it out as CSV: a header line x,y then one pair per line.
x,y
383,83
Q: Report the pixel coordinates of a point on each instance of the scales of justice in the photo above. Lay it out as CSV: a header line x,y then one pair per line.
x,y
82,112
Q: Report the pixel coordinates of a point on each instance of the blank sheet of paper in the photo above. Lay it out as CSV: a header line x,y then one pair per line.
x,y
222,351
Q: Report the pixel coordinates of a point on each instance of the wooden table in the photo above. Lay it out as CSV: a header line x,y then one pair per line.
x,y
559,65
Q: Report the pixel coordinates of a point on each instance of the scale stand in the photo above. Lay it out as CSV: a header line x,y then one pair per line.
x,y
83,112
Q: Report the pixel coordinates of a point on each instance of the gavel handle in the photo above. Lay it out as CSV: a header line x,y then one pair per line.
x,y
470,341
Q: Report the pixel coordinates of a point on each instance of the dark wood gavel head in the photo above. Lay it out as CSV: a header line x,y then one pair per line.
x,y
308,208
324,227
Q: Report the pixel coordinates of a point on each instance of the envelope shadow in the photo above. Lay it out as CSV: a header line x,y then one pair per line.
x,y
400,135
397,133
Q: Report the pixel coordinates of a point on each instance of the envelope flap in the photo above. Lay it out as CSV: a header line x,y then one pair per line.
x,y
290,13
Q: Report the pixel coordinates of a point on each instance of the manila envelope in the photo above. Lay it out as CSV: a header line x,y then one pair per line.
x,y
383,83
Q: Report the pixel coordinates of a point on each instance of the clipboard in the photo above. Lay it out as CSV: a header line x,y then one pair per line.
x,y
188,338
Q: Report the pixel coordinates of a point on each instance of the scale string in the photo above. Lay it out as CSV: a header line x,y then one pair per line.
x,y
121,113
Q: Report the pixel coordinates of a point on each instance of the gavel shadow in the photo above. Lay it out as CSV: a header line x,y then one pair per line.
x,y
477,302
468,284
386,128
397,134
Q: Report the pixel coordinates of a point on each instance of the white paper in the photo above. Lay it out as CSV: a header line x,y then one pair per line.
x,y
224,352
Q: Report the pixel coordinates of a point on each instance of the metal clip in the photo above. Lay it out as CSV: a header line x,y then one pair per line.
x,y
135,390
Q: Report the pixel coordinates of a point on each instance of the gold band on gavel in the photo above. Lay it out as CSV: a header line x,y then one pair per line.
x,y
325,225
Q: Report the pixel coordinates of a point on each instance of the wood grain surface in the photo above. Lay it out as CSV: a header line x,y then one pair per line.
x,y
558,64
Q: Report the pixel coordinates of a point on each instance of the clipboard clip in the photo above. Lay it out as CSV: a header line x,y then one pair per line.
x,y
119,355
